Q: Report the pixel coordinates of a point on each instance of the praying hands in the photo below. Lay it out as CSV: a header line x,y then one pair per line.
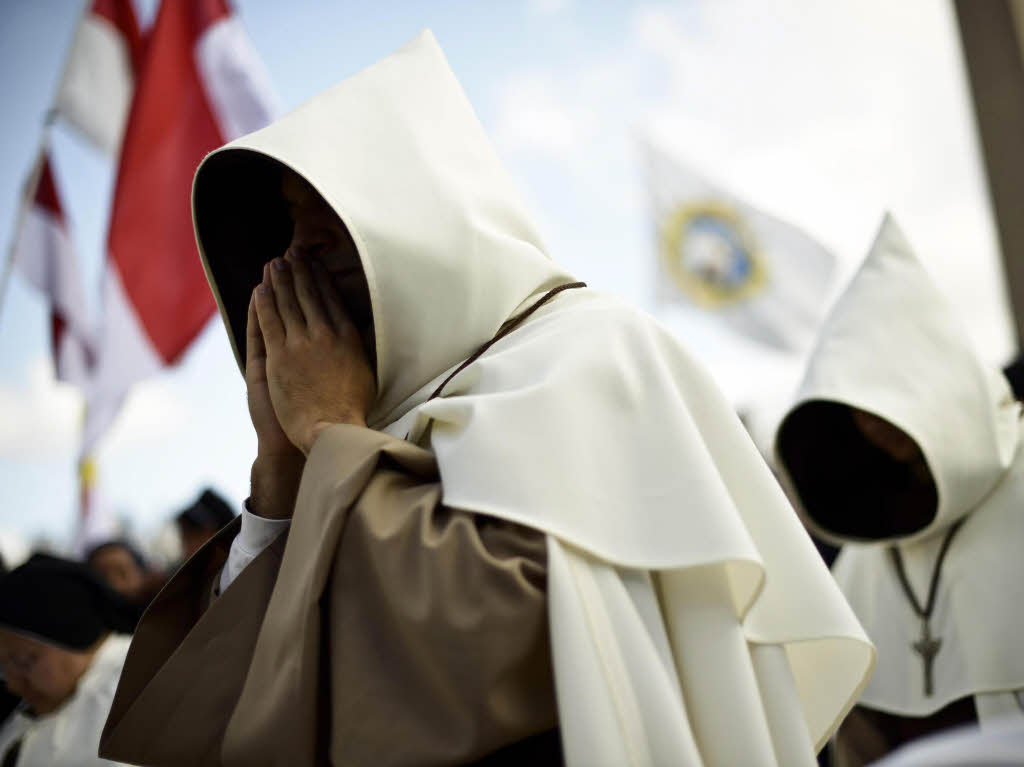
x,y
317,372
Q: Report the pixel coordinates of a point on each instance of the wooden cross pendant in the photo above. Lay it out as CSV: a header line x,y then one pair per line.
x,y
927,648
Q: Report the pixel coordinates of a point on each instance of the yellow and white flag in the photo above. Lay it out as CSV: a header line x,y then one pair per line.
x,y
761,276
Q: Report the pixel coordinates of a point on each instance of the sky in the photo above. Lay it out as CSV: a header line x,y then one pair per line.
x,y
825,115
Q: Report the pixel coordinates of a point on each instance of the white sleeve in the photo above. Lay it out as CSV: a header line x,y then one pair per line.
x,y
256,534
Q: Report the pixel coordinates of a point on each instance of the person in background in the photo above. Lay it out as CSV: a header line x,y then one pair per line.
x,y
905,448
202,520
63,641
127,571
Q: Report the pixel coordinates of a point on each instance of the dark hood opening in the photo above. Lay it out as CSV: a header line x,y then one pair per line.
x,y
848,487
242,223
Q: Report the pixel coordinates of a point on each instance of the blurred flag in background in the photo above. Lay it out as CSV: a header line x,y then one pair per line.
x,y
200,85
99,75
43,253
156,102
762,277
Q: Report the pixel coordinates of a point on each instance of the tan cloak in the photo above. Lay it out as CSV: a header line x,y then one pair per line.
x,y
382,629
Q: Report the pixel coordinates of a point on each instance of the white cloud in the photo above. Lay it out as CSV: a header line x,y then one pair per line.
x,y
41,421
154,410
534,116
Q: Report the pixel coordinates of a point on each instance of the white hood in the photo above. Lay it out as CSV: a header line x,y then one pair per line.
x,y
674,558
891,346
399,154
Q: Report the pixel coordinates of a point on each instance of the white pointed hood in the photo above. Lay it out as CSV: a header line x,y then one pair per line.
x,y
671,549
891,346
399,154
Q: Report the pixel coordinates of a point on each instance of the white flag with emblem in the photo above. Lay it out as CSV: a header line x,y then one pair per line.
x,y
763,277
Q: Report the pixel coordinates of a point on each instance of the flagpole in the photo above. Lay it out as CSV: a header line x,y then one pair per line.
x,y
8,270
28,193
87,472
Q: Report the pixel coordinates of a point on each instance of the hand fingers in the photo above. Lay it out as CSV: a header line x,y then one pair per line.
x,y
271,326
254,348
284,295
306,292
329,296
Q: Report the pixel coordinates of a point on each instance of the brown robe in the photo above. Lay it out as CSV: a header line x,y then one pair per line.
x,y
382,629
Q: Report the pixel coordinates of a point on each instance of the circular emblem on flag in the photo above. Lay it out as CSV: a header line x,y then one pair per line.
x,y
710,255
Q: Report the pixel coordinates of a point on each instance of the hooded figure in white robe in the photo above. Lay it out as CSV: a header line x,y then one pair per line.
x,y
905,448
578,500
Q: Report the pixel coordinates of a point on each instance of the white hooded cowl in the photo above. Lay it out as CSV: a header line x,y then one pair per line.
x,y
892,347
692,621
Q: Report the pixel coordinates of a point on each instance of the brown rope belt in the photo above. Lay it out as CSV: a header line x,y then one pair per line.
x,y
504,330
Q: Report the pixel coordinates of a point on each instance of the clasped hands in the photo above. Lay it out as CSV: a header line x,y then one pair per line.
x,y
305,370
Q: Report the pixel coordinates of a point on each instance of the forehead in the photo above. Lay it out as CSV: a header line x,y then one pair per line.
x,y
296,191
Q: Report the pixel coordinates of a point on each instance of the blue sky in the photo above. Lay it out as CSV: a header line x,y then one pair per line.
x,y
824,115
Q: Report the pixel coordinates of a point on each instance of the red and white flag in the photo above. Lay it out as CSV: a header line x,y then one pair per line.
x,y
43,254
99,76
200,85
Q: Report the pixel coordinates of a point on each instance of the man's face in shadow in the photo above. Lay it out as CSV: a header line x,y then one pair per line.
x,y
318,234
892,441
857,475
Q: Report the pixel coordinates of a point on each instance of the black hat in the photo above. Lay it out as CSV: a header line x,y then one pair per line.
x,y
210,512
62,602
